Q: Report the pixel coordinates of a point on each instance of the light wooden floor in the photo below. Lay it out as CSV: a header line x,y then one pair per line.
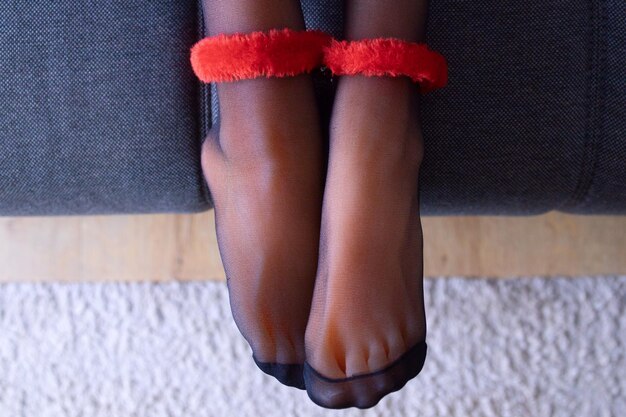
x,y
183,247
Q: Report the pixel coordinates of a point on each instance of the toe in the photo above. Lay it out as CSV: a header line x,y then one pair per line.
x,y
397,345
378,355
287,374
328,362
356,360
288,348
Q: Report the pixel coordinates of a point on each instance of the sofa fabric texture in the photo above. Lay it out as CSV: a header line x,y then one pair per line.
x,y
100,112
99,108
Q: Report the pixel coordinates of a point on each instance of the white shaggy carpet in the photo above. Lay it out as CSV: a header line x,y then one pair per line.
x,y
519,347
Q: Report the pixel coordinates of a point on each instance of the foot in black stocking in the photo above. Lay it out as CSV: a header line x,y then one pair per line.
x,y
263,164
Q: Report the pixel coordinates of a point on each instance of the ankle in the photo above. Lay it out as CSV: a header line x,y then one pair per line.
x,y
265,95
378,116
261,117
269,141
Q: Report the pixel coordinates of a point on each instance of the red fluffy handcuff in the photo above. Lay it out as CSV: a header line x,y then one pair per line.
x,y
287,52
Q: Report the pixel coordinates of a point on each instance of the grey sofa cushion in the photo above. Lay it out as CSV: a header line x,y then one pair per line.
x,y
99,108
516,131
100,112
602,185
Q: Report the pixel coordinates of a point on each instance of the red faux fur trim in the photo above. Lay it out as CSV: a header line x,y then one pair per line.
x,y
277,53
388,57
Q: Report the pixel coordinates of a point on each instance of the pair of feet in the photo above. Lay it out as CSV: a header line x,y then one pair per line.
x,y
324,268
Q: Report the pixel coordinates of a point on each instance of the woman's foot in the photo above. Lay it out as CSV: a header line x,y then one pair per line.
x,y
264,166
368,308
366,332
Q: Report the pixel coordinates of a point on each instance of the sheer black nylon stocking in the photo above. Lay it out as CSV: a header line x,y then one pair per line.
x,y
367,329
266,180
264,166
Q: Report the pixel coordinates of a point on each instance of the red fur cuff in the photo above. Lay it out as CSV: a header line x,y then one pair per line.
x,y
274,53
388,57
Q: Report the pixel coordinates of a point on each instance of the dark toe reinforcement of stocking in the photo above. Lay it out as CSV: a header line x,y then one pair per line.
x,y
287,374
364,390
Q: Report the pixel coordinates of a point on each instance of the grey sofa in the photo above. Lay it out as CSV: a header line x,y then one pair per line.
x,y
100,112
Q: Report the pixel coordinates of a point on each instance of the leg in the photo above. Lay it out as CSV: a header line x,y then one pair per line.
x,y
367,314
263,163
